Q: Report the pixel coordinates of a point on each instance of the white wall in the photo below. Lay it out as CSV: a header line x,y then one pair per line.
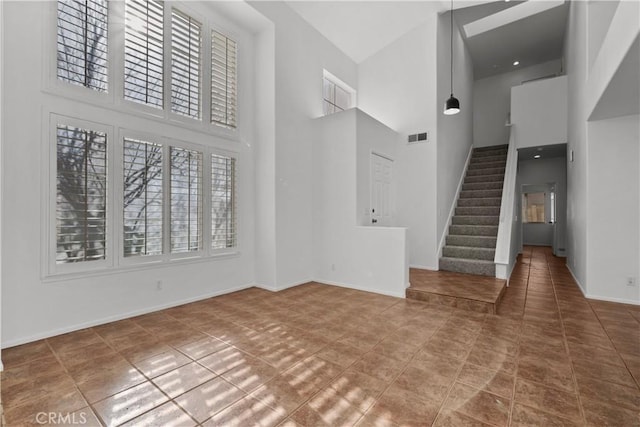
x,y
492,101
613,221
373,137
2,141
402,87
603,174
600,14
265,160
345,254
539,111
541,172
576,67
455,133
301,53
33,307
398,87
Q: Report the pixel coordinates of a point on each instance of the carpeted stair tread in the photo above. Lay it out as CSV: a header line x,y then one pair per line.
x,y
474,241
499,177
477,210
488,159
476,194
469,252
475,220
489,201
474,230
459,265
487,171
486,165
497,185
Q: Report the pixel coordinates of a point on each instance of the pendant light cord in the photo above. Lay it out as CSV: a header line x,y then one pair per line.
x,y
451,47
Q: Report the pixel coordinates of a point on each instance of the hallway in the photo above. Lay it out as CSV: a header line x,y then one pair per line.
x,y
317,355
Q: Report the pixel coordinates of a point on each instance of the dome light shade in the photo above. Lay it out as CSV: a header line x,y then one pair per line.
x,y
452,106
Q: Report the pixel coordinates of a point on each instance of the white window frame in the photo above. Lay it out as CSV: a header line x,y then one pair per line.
x,y
50,197
113,99
201,96
115,261
326,75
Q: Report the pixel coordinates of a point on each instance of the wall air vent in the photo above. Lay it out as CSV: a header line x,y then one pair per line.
x,y
418,137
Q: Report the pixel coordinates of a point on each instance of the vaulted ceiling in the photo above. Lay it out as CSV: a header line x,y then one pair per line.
x,y
506,30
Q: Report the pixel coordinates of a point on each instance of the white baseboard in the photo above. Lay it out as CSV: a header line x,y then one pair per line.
x,y
582,289
282,287
361,288
424,267
611,299
109,319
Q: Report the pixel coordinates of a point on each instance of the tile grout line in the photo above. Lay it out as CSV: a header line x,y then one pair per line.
x,y
566,345
515,377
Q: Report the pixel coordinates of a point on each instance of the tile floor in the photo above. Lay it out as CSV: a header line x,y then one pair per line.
x,y
320,355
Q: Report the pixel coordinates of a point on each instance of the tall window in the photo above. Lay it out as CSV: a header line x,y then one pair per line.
x,y
81,201
82,43
223,80
143,52
186,200
185,64
223,202
142,197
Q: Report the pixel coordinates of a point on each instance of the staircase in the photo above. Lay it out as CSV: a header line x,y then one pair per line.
x,y
471,244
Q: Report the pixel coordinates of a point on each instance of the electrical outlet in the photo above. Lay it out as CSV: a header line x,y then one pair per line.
x,y
159,285
632,281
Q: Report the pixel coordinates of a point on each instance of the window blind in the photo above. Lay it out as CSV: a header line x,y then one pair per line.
x,y
81,200
186,200
223,202
142,194
82,43
223,80
186,40
143,52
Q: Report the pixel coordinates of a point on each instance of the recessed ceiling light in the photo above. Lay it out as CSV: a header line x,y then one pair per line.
x,y
537,156
516,63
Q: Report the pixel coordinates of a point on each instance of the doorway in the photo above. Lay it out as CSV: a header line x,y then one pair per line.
x,y
539,215
381,175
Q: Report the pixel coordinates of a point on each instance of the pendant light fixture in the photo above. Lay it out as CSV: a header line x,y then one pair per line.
x,y
452,106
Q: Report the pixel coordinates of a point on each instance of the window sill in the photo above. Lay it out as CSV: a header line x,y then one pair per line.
x,y
134,267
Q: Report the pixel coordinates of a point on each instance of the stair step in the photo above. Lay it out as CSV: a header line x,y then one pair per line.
x,y
469,252
475,194
490,201
474,230
491,147
483,178
489,153
487,171
475,220
477,210
486,165
488,159
471,241
469,266
496,185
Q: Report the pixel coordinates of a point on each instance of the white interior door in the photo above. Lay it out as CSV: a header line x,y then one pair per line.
x,y
381,172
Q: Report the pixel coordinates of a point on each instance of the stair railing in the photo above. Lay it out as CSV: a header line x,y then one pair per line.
x,y
506,244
